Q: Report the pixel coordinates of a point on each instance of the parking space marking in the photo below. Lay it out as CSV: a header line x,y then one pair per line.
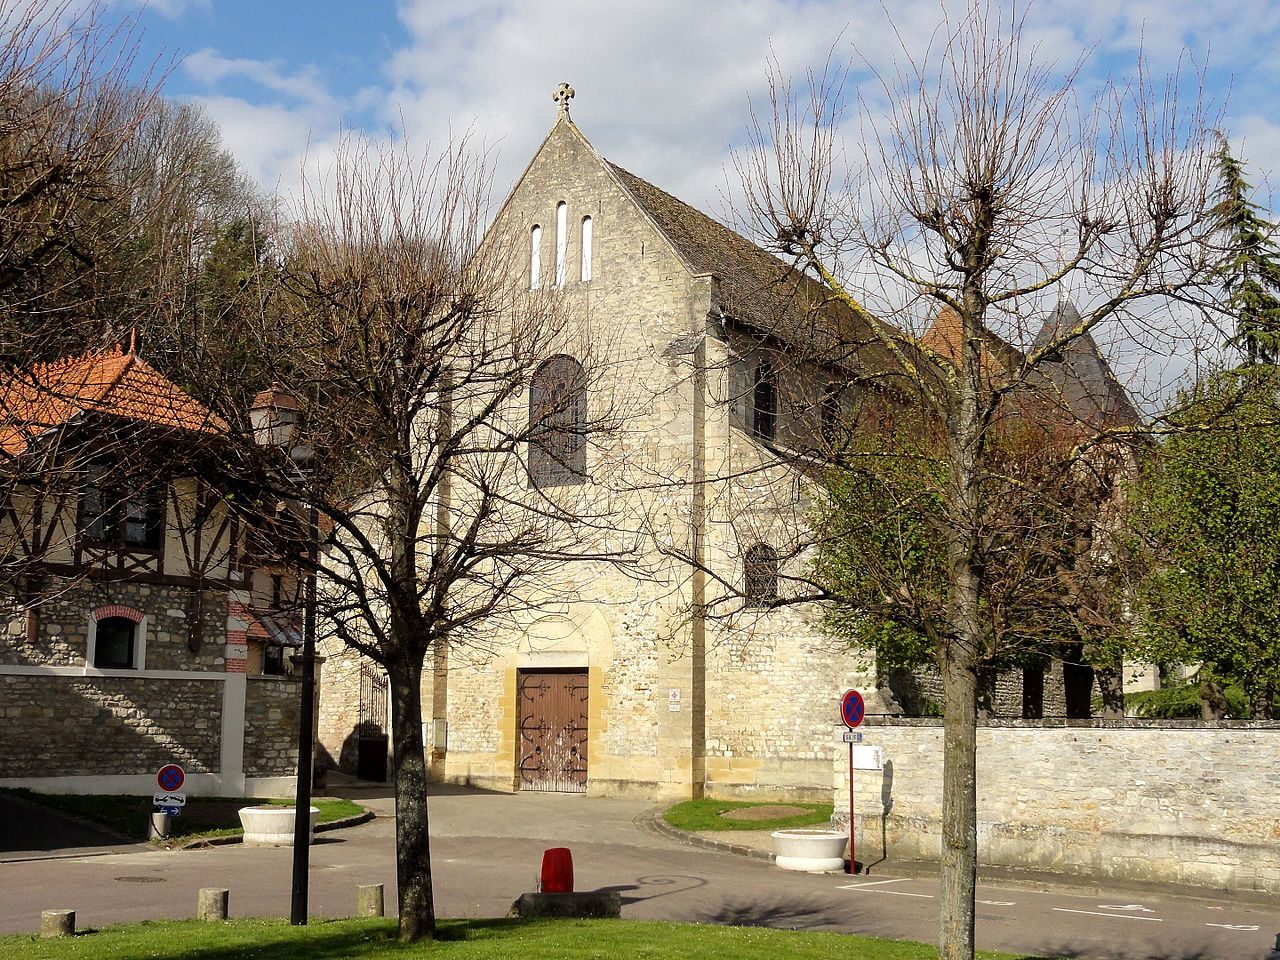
x,y
1113,916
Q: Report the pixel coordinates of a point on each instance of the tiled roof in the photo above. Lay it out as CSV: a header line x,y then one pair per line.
x,y
1084,388
945,333
111,383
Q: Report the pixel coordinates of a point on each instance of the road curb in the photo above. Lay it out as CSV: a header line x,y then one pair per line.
x,y
201,843
654,820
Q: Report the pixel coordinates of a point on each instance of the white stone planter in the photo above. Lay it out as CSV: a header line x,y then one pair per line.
x,y
271,826
810,851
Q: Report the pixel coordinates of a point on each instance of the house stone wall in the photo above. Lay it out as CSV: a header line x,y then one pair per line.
x,y
77,726
1170,802
62,626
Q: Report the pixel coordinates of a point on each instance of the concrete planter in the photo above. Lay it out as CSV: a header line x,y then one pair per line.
x,y
271,826
810,851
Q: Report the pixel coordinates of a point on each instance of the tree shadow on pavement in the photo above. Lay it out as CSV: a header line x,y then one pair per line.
x,y
786,913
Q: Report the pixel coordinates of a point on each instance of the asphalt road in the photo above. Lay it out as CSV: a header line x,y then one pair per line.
x,y
487,849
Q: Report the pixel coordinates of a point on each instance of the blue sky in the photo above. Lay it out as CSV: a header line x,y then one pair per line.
x,y
664,87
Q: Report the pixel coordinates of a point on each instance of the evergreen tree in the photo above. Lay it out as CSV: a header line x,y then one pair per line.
x,y
1250,270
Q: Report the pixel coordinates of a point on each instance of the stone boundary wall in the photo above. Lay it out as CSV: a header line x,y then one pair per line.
x,y
271,712
1180,802
67,726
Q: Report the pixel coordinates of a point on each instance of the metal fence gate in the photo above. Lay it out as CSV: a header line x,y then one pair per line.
x,y
371,730
553,730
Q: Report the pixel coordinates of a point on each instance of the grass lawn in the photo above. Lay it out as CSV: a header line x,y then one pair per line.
x,y
201,817
708,815
460,940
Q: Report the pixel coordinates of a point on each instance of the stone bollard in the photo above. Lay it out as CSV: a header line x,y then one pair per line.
x,y
369,900
212,903
160,827
57,923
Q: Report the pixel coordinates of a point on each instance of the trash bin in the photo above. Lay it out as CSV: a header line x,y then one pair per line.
x,y
557,870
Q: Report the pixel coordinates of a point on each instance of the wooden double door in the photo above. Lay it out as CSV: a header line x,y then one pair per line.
x,y
553,730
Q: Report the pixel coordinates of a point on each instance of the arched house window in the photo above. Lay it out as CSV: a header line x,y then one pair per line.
x,y
760,574
764,402
558,423
117,638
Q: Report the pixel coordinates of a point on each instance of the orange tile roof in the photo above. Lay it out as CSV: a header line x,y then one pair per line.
x,y
111,383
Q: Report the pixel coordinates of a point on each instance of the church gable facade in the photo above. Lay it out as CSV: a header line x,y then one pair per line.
x,y
672,684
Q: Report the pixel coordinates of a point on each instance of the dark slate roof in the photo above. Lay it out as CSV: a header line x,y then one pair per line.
x,y
756,288
1089,388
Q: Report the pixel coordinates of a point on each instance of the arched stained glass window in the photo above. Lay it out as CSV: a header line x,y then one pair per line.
x,y
558,423
760,569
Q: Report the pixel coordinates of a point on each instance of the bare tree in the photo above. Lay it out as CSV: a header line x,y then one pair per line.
x,y
450,495
983,159
70,105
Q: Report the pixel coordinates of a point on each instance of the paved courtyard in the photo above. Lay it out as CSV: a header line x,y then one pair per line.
x,y
487,850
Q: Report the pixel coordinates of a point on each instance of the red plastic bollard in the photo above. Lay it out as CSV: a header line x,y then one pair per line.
x,y
557,870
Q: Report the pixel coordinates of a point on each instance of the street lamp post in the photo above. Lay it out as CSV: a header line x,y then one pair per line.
x,y
274,417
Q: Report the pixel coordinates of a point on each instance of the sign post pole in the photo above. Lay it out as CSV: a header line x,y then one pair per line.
x,y
852,711
853,862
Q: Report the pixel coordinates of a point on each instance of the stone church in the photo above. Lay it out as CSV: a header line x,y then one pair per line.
x,y
710,673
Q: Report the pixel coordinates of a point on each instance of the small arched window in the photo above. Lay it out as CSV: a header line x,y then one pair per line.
x,y
562,241
586,249
535,257
764,402
760,570
558,423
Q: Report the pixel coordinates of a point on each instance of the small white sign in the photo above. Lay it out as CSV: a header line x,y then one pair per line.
x,y
850,736
673,699
868,758
169,799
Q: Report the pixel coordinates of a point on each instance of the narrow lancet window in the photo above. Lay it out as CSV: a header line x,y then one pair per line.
x,y
586,249
562,240
535,257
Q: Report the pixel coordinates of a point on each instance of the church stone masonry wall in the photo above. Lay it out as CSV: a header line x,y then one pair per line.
x,y
1165,802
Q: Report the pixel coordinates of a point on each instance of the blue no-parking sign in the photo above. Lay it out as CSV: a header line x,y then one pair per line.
x,y
171,777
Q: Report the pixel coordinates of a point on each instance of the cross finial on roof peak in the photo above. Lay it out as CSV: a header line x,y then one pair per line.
x,y
562,96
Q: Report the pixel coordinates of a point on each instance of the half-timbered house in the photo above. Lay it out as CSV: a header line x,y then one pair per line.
x,y
133,632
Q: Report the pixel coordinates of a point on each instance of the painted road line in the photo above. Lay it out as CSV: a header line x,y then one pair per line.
x,y
893,893
1248,927
999,903
1113,916
1130,907
873,883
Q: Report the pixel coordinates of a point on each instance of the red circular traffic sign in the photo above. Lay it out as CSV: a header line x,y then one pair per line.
x,y
171,777
852,709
